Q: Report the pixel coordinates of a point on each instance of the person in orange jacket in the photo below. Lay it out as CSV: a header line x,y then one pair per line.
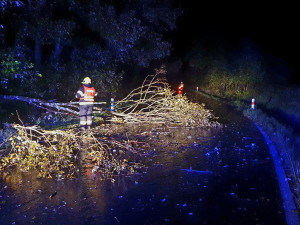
x,y
180,88
86,95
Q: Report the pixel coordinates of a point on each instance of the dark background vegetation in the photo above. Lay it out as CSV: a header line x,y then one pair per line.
x,y
271,26
48,47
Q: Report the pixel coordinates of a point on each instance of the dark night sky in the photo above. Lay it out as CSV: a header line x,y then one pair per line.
x,y
272,26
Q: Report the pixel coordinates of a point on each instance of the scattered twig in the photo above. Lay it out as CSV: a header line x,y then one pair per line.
x,y
51,196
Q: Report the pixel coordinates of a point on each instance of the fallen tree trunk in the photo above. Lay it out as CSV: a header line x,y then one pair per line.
x,y
68,108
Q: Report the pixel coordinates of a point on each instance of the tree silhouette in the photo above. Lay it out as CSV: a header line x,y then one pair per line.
x,y
67,40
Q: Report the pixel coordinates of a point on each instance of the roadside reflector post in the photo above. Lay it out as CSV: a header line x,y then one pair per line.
x,y
197,88
253,103
112,104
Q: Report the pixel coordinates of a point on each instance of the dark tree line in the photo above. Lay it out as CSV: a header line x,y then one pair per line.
x,y
48,46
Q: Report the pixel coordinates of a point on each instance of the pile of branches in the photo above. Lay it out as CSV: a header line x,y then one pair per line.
x,y
59,153
154,102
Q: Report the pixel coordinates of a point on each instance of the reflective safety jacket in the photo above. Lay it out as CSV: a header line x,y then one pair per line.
x,y
86,95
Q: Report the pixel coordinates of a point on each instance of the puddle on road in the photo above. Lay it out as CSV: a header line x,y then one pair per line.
x,y
193,176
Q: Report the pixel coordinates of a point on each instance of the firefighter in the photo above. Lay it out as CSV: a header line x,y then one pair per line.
x,y
86,95
180,88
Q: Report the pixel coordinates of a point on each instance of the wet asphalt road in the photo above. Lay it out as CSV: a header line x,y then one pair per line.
x,y
220,176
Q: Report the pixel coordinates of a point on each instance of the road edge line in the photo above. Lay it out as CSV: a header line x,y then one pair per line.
x,y
290,209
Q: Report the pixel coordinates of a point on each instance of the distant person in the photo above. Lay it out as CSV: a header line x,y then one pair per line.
x,y
86,94
180,88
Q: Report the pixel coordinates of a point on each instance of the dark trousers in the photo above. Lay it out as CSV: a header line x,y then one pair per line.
x,y
85,114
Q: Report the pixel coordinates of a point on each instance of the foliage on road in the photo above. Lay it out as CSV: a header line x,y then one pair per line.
x,y
154,102
60,153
